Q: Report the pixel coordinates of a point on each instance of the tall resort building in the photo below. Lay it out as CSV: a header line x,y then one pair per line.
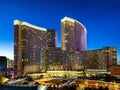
x,y
29,41
73,35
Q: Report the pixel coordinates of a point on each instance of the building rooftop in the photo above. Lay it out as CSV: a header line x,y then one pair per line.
x,y
17,22
73,20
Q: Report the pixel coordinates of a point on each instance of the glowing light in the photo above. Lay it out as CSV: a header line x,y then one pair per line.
x,y
73,20
41,87
17,22
3,79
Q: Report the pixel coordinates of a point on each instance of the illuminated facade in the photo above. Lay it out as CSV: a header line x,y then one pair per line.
x,y
111,56
74,43
76,60
35,49
73,35
29,42
54,59
100,59
93,59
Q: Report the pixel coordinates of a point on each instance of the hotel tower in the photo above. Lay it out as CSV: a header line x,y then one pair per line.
x,y
29,41
73,35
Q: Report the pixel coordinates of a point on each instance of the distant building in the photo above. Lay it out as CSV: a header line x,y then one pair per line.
x,y
6,66
3,63
10,63
73,35
29,41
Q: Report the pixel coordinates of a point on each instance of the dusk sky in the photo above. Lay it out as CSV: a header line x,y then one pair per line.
x,y
100,17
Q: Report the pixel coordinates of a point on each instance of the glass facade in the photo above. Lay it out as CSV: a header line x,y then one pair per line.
x,y
29,41
35,49
73,35
54,59
103,58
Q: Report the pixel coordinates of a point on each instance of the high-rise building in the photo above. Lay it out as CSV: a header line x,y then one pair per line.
x,y
35,49
29,41
73,35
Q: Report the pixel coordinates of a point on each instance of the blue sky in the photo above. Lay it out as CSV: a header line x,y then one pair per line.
x,y
100,17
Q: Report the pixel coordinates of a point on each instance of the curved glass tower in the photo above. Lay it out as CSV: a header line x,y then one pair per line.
x,y
73,35
29,41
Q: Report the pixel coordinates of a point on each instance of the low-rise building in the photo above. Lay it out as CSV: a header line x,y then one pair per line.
x,y
115,71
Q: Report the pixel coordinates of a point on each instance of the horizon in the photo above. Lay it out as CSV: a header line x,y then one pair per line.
x,y
101,19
